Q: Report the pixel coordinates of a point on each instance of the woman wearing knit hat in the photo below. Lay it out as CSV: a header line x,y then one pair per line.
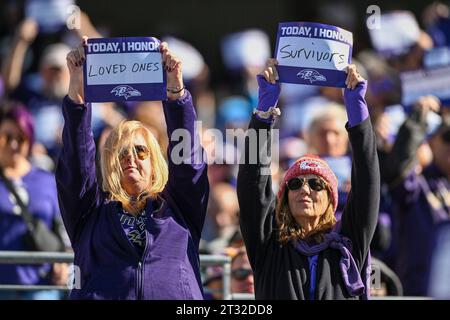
x,y
296,247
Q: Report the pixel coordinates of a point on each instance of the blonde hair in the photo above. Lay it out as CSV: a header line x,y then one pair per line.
x,y
122,137
289,229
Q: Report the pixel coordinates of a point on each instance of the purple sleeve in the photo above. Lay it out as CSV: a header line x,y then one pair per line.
x,y
355,104
268,95
188,180
408,191
75,173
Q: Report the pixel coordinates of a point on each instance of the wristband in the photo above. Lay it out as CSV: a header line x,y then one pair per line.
x,y
175,89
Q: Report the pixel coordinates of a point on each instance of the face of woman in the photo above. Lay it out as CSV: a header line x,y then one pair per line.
x,y
13,143
136,166
306,203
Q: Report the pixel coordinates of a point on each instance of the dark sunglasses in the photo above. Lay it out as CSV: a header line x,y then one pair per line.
x,y
142,152
315,184
241,274
9,137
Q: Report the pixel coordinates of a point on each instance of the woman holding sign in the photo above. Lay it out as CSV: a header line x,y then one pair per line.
x,y
136,236
296,248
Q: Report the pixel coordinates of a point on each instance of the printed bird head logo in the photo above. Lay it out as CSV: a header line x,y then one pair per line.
x,y
125,91
311,75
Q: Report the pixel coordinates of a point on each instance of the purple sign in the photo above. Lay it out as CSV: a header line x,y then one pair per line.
x,y
418,83
124,69
313,53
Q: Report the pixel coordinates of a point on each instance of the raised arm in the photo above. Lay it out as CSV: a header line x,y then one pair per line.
x,y
13,64
398,163
188,180
254,184
360,215
78,191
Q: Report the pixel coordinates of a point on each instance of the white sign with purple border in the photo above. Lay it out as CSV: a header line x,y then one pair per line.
x,y
313,53
124,69
426,82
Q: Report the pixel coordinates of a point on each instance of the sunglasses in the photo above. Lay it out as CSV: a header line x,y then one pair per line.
x,y
10,137
241,274
315,184
141,152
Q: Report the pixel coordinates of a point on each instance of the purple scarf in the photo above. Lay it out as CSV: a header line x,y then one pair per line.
x,y
350,274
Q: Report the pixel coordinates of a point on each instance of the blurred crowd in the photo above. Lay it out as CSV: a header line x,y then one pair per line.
x,y
412,128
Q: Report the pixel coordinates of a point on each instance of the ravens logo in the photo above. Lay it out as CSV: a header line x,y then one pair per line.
x,y
125,91
311,75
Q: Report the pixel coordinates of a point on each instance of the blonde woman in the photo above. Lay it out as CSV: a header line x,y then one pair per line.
x,y
137,236
296,248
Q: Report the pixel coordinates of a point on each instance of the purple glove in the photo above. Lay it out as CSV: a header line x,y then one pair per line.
x,y
268,95
355,104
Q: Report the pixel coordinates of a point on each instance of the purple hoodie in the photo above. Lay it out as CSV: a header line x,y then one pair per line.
x,y
109,265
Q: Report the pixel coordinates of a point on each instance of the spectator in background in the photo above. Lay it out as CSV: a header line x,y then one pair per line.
x,y
14,59
438,287
326,134
397,160
413,59
384,88
422,198
213,283
435,17
221,221
311,101
222,157
44,98
241,273
37,190
42,93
